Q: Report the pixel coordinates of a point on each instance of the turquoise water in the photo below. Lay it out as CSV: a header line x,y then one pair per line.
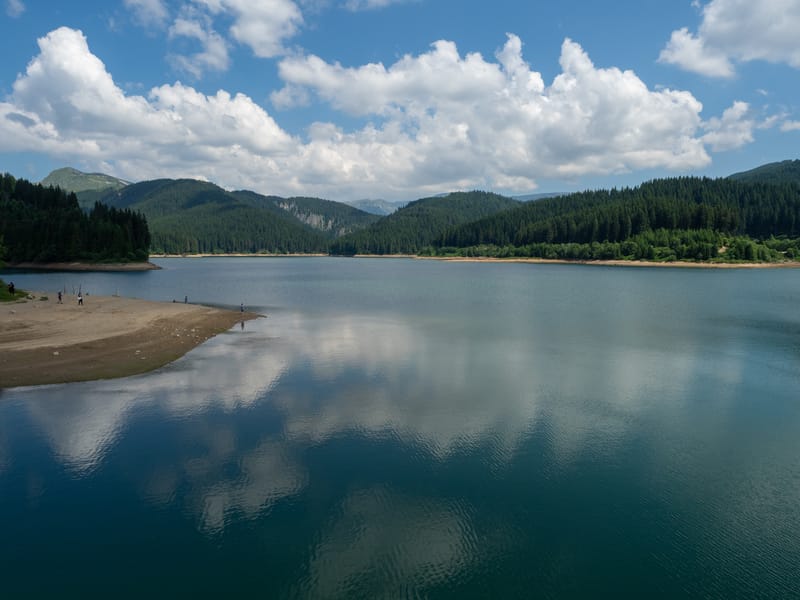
x,y
401,428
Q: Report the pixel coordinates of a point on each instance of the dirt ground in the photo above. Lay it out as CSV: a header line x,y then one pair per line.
x,y
44,342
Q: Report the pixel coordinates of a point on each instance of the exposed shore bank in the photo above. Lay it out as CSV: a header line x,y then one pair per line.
x,y
622,263
43,342
541,261
82,266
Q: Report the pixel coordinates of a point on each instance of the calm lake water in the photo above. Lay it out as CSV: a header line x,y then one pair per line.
x,y
401,428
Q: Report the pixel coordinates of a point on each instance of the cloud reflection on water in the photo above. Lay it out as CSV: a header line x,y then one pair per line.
x,y
366,376
385,544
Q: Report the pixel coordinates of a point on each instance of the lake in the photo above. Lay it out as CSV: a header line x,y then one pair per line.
x,y
401,428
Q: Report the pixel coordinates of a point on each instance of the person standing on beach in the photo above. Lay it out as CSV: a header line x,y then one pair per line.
x,y
59,298
80,299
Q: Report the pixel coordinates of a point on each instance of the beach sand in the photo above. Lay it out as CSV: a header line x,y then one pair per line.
x,y
44,342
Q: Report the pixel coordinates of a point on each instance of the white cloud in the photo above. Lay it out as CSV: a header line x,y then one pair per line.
x,y
214,55
14,8
437,121
691,53
733,130
357,5
149,12
264,26
737,30
448,114
790,126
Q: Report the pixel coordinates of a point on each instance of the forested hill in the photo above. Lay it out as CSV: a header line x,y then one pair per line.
x,y
333,219
787,171
679,218
88,187
45,224
187,216
378,207
420,223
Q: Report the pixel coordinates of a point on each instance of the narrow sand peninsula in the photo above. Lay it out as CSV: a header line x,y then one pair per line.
x,y
44,342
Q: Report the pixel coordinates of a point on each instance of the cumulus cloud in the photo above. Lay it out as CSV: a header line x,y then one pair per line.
x,y
790,126
499,117
214,53
733,130
737,30
691,53
264,26
148,12
437,121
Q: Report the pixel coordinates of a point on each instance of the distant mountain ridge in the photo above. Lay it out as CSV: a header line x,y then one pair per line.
x,y
378,206
88,187
72,180
752,215
419,223
188,216
180,214
786,171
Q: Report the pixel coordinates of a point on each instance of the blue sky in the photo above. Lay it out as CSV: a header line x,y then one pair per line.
x,y
399,99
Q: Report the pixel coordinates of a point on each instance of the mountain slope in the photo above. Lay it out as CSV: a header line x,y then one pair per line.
x,y
72,180
190,216
786,171
419,223
88,187
378,207
333,219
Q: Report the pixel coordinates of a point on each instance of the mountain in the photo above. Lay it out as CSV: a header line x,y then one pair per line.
x,y
419,223
159,197
88,187
191,216
786,171
539,196
72,180
333,219
377,206
187,216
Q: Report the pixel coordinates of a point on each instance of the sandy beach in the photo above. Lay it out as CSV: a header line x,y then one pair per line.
x,y
44,342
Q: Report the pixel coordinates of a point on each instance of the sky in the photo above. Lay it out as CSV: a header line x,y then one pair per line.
x,y
399,99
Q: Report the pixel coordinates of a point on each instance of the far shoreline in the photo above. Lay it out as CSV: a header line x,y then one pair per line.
x,y
82,266
526,260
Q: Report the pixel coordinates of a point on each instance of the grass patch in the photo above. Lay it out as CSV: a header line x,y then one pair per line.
x,y
6,296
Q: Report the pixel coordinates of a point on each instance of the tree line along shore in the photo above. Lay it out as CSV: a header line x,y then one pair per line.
x,y
667,220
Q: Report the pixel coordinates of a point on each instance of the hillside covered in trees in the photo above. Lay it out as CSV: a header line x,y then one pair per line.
x,y
750,216
187,216
419,224
45,224
785,171
668,219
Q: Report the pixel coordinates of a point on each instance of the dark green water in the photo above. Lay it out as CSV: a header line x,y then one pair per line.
x,y
402,428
